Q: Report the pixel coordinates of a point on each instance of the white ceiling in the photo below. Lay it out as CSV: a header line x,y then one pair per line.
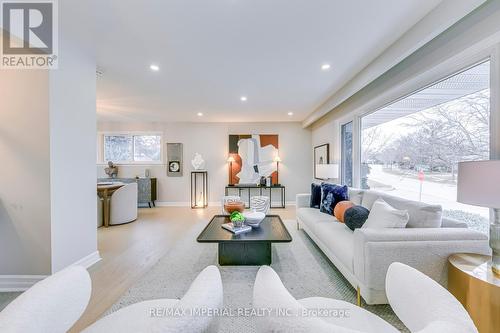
x,y
212,52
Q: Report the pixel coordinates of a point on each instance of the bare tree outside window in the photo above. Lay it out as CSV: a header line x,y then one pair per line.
x,y
412,147
132,148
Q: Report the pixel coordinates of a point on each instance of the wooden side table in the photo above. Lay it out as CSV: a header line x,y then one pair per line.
x,y
472,282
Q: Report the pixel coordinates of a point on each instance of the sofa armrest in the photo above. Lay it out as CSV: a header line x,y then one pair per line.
x,y
447,222
426,249
302,200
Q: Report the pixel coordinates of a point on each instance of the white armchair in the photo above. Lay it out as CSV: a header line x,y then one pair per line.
x,y
153,316
424,305
51,305
270,293
124,204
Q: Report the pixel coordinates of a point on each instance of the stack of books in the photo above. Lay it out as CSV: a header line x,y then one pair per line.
x,y
236,231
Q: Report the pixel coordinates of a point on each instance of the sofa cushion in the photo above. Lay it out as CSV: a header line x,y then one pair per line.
x,y
315,196
340,209
421,215
382,215
355,217
338,239
331,194
355,195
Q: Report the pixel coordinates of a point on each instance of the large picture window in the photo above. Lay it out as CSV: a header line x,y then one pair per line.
x,y
411,147
124,148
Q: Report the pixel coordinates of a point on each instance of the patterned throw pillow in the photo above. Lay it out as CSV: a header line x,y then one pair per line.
x,y
355,217
340,209
315,196
332,194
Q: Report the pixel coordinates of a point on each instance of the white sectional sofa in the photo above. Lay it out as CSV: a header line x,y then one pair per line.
x,y
363,256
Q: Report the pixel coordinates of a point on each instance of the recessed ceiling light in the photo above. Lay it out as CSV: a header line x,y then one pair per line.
x,y
243,98
290,113
325,67
199,114
154,68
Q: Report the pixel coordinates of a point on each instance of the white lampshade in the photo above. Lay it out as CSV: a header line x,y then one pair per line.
x,y
327,171
479,183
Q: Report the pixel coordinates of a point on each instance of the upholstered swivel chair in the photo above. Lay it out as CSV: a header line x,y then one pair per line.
x,y
204,293
51,305
124,205
422,304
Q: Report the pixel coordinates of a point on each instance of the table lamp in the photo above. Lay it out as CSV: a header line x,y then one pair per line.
x,y
327,171
230,159
479,184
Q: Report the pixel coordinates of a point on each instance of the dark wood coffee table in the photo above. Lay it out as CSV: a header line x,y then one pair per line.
x,y
250,248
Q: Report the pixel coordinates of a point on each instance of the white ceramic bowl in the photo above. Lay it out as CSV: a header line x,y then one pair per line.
x,y
254,219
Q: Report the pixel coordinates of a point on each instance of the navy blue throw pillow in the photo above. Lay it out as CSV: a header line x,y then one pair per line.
x,y
332,194
315,196
355,217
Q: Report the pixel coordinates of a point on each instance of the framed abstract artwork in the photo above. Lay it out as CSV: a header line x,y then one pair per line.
x,y
254,157
321,156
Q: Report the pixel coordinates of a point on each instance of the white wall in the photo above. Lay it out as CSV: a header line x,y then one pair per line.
x,y
72,140
473,37
25,170
47,149
211,141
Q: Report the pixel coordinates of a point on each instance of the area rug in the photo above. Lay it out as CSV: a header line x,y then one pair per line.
x,y
303,268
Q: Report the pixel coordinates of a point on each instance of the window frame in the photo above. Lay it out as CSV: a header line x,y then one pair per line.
x,y
102,149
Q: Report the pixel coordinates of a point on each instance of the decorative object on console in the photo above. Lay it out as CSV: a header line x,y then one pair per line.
x,y
340,209
198,162
111,170
174,159
383,215
332,194
199,192
231,159
479,184
327,171
321,156
355,217
277,159
254,157
147,173
315,196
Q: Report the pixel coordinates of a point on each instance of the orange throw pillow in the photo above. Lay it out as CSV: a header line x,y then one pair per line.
x,y
340,209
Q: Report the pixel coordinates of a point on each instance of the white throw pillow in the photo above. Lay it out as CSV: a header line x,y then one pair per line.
x,y
383,215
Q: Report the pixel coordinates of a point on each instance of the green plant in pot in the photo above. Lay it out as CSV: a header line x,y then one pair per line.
x,y
237,219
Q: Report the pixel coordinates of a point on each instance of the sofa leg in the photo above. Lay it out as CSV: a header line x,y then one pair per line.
x,y
358,297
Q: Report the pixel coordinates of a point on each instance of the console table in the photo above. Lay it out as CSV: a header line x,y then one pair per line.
x,y
249,189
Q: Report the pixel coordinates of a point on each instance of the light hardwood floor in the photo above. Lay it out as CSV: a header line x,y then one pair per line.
x,y
128,251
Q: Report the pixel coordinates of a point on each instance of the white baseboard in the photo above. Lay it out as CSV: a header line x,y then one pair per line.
x,y
89,260
10,283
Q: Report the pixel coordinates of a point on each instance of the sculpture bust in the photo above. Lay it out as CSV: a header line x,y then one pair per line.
x,y
198,162
111,170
